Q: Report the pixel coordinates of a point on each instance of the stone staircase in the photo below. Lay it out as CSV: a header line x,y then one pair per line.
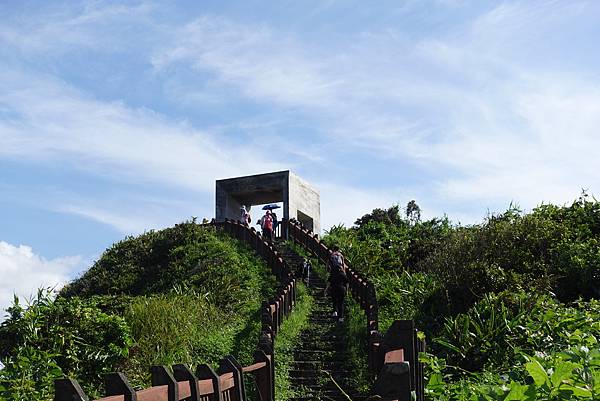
x,y
323,346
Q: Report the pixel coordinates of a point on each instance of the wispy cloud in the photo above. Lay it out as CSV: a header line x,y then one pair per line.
x,y
261,64
112,139
476,107
56,30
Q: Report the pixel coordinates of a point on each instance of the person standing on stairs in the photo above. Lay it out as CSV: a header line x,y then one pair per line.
x,y
275,223
244,216
266,223
337,282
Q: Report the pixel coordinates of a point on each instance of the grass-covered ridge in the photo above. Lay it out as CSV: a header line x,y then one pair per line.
x,y
186,294
505,304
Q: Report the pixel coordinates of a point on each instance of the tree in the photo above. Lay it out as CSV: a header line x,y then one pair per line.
x,y
413,212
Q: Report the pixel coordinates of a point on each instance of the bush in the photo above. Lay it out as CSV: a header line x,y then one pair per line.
x,y
553,249
499,328
56,337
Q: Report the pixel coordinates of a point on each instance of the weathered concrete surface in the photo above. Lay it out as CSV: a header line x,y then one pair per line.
x,y
304,203
300,200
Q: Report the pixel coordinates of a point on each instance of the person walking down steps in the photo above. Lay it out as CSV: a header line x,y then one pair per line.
x,y
306,268
337,282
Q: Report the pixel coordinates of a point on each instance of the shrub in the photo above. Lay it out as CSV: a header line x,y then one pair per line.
x,y
58,336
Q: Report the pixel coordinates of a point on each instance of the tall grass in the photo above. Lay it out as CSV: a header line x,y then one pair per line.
x,y
175,328
287,342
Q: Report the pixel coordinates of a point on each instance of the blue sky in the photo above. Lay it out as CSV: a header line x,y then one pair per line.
x,y
117,117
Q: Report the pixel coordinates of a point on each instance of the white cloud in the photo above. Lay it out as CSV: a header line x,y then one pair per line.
x,y
133,214
22,272
118,144
262,64
548,155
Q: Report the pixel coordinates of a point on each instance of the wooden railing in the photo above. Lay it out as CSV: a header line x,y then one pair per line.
x,y
227,383
393,358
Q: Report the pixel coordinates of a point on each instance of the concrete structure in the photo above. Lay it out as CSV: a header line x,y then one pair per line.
x,y
300,200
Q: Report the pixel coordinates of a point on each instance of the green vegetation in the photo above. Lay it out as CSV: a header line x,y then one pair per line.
x,y
184,294
510,306
357,344
52,338
287,341
507,305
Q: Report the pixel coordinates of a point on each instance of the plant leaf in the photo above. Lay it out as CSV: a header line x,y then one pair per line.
x,y
537,372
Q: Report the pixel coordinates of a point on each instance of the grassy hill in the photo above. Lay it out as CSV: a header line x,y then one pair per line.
x,y
505,304
186,294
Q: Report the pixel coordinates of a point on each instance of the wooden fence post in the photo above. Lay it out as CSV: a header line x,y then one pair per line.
x,y
275,315
205,372
265,344
280,309
264,377
397,379
182,373
68,390
162,377
230,365
117,384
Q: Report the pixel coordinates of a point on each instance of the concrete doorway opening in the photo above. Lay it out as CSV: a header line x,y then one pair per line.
x,y
306,220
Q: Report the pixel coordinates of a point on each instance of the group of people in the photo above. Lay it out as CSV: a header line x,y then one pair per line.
x,y
337,279
268,222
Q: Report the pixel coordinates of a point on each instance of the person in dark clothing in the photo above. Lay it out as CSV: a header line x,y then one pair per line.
x,y
306,268
337,282
275,223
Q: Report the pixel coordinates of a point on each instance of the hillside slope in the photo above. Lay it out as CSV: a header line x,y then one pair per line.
x,y
185,294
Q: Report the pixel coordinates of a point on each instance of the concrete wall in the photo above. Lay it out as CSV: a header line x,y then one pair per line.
x,y
304,201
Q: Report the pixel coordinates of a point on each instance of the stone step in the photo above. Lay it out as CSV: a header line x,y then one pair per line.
x,y
323,344
311,373
311,355
315,365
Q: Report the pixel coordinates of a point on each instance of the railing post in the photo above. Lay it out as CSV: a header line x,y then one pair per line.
x,y
393,378
205,372
264,378
230,365
182,373
117,384
295,289
265,344
68,390
274,311
162,377
280,309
